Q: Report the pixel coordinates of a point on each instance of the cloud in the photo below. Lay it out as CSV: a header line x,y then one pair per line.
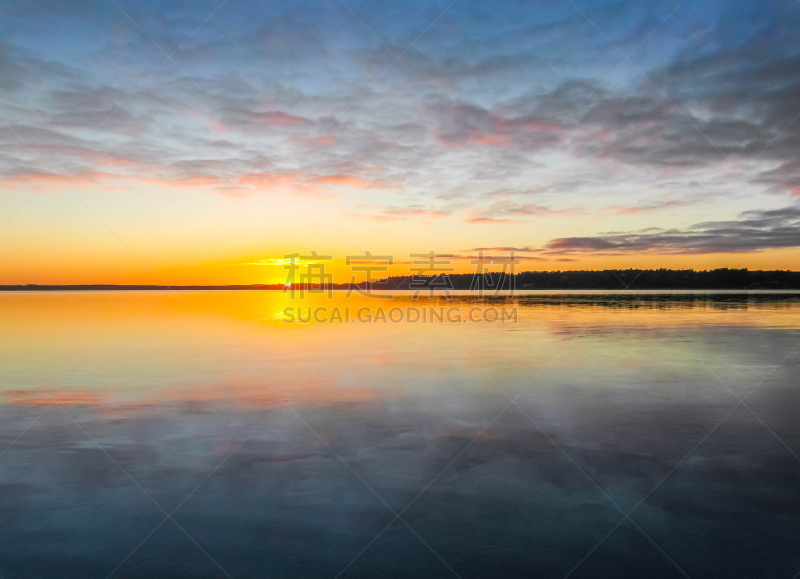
x,y
509,211
344,180
784,177
498,102
658,205
21,176
395,213
271,118
500,259
506,249
467,125
753,231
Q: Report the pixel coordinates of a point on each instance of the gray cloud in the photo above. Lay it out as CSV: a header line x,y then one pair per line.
x,y
753,231
506,210
293,83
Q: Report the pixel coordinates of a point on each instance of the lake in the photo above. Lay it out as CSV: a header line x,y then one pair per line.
x,y
589,434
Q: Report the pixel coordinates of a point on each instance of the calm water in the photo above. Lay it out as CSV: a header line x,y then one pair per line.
x,y
506,449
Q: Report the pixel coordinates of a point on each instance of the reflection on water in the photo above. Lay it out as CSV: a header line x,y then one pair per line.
x,y
508,449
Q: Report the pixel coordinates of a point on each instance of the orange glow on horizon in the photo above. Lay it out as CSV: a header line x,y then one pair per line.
x,y
127,270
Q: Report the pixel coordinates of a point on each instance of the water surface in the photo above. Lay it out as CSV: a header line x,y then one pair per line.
x,y
196,434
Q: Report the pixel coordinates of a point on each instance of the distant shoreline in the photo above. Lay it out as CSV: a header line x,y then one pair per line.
x,y
608,280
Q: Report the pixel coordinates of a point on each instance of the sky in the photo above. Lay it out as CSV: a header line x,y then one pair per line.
x,y
200,142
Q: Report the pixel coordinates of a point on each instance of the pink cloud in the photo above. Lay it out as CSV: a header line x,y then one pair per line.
x,y
543,126
344,180
322,141
491,220
279,119
267,178
37,176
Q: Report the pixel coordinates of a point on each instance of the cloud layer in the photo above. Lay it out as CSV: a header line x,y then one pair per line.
x,y
753,231
495,115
